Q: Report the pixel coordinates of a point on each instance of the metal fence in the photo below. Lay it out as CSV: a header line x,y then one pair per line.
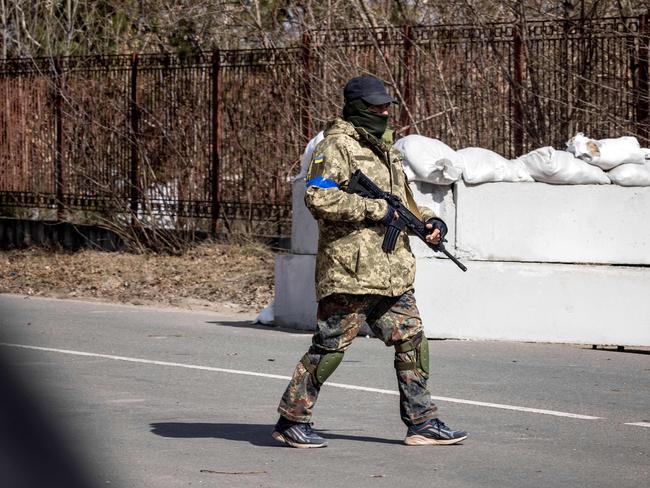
x,y
212,141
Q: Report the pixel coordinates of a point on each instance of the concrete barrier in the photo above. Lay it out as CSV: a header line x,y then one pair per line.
x,y
537,222
295,293
538,302
304,228
588,304
546,263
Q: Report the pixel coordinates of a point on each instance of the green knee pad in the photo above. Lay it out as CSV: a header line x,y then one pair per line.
x,y
325,367
423,356
420,345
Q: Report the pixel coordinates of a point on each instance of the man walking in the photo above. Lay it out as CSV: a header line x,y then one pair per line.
x,y
357,282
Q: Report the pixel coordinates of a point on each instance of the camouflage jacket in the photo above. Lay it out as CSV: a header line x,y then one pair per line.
x,y
350,258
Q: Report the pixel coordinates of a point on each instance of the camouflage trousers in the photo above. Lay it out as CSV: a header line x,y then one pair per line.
x,y
394,320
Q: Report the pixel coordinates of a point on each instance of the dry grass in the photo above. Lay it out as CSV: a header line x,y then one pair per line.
x,y
221,277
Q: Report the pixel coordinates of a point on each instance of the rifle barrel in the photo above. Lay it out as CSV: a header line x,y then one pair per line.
x,y
453,258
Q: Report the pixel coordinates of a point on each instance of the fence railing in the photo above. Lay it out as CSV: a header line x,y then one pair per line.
x,y
212,141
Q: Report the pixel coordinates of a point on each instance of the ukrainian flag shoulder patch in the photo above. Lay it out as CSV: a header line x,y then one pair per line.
x,y
318,159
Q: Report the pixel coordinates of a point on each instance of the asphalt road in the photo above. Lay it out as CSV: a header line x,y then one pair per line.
x,y
165,398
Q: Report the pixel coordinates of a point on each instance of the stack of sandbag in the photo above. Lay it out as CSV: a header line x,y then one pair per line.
x,y
429,160
432,161
606,153
482,166
561,168
631,174
586,162
622,158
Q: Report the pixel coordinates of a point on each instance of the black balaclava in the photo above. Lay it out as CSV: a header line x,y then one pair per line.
x,y
356,112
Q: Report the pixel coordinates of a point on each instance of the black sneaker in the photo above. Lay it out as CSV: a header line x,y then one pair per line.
x,y
296,434
433,432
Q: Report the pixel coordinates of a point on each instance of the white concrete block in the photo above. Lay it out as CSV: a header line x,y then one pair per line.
x,y
537,222
535,302
440,199
502,301
304,228
295,291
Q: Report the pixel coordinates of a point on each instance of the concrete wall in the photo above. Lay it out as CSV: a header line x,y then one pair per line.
x,y
587,304
537,222
441,200
513,237
535,302
304,228
295,293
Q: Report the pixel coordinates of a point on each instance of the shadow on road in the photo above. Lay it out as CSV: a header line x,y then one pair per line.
x,y
234,323
256,434
622,349
250,325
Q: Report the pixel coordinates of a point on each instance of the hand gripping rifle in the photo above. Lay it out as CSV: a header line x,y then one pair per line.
x,y
364,186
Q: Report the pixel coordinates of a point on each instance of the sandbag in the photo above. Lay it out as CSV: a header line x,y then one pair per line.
x,y
430,160
482,166
267,315
606,153
561,168
630,174
306,156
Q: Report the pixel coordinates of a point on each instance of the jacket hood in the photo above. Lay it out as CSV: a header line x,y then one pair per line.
x,y
339,126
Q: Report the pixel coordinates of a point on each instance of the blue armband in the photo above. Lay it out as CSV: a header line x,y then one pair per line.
x,y
320,182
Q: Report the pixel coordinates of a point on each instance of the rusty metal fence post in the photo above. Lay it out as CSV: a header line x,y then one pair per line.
x,y
134,118
59,176
215,183
407,89
642,105
305,107
517,90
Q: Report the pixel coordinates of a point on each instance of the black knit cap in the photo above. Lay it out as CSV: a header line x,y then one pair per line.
x,y
369,89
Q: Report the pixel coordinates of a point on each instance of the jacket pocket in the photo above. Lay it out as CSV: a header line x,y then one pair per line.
x,y
342,256
372,264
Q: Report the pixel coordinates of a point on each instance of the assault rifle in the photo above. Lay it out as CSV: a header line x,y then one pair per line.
x,y
364,186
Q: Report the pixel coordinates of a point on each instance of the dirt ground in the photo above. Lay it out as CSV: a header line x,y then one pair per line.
x,y
211,276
